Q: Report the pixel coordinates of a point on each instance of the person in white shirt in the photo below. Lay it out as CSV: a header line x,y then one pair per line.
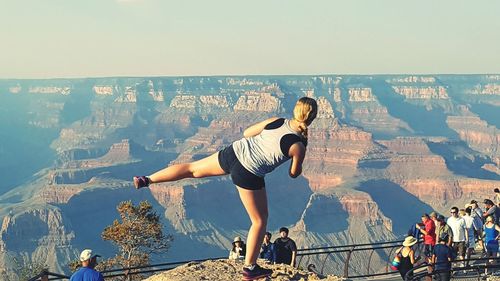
x,y
460,235
470,227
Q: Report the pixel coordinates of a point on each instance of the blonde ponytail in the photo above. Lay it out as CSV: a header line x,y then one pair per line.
x,y
304,113
303,129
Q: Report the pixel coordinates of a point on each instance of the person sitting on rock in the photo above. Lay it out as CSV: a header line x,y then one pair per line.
x,y
265,146
286,249
239,249
268,249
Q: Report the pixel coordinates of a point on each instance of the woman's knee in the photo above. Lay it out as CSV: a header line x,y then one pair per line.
x,y
260,222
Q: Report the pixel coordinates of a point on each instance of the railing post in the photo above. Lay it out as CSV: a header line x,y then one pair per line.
x,y
390,260
324,262
369,262
346,265
45,276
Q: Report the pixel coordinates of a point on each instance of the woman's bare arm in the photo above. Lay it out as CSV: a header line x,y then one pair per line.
x,y
255,129
297,152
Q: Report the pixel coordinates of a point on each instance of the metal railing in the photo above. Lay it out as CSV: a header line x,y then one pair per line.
x,y
316,259
321,256
473,269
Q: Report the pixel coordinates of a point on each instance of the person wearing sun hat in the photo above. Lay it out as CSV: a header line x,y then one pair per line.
x,y
406,256
87,272
239,249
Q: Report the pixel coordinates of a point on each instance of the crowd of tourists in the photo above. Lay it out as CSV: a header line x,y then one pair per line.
x,y
452,239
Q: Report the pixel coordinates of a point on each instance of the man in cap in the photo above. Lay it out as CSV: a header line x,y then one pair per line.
x,y
87,271
444,229
433,215
491,210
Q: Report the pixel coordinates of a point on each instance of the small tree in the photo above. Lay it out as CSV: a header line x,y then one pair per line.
x,y
138,234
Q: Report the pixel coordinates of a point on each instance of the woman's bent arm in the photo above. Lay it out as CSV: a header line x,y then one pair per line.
x,y
297,152
255,129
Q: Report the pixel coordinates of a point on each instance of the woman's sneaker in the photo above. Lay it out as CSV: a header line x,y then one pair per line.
x,y
141,182
256,273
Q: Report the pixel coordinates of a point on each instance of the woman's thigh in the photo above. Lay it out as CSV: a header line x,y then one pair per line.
x,y
207,167
255,203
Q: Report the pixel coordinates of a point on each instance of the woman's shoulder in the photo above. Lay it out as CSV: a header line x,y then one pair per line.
x,y
274,123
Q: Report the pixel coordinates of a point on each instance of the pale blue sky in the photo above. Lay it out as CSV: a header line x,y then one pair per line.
x,y
89,38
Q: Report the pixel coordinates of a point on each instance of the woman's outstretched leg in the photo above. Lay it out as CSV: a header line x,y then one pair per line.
x,y
255,203
206,167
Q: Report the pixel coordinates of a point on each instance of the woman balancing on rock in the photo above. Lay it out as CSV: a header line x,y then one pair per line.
x,y
265,146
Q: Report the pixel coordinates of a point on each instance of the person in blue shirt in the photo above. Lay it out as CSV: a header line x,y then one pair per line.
x,y
268,249
442,257
87,271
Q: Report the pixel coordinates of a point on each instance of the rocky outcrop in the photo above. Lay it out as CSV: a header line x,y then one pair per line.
x,y
86,133
15,89
360,94
477,133
59,194
103,90
199,102
333,155
129,95
172,198
329,213
40,233
429,92
486,89
258,101
118,153
325,110
49,90
413,79
229,270
406,145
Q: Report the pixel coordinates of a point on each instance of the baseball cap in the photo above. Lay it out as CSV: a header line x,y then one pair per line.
x,y
488,201
87,255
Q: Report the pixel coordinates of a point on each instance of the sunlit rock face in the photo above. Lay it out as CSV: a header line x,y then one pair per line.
x,y
382,151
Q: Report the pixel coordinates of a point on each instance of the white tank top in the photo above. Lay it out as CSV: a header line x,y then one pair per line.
x,y
264,152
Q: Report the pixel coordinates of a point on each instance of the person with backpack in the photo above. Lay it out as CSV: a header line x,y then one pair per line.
x,y
406,257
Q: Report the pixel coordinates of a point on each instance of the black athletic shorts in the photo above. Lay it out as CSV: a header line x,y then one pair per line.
x,y
240,176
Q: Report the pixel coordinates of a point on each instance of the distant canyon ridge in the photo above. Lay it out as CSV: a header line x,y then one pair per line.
x,y
383,150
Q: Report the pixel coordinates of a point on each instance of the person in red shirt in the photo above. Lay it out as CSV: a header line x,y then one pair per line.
x,y
429,231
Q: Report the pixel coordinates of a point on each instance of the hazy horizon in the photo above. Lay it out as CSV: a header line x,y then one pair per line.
x,y
144,38
250,75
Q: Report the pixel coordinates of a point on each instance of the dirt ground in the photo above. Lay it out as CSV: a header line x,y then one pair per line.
x,y
228,270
